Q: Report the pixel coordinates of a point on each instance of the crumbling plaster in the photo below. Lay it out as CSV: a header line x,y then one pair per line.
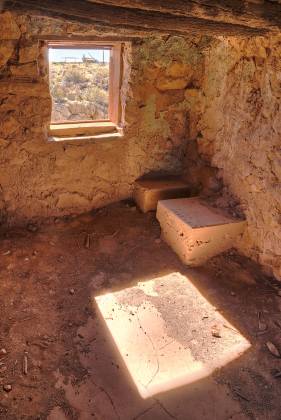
x,y
40,178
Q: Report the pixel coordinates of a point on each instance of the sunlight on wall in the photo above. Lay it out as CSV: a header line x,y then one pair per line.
x,y
167,333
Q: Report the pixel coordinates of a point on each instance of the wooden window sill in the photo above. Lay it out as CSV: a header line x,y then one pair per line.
x,y
88,139
82,129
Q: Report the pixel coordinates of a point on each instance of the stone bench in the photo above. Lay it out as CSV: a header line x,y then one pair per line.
x,y
195,230
148,192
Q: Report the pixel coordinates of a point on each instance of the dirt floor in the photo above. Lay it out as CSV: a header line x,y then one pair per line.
x,y
57,358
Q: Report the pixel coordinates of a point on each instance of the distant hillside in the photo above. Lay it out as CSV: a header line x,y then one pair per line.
x,y
79,91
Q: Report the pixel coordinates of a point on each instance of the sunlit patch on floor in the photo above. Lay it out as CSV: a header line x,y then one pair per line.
x,y
168,334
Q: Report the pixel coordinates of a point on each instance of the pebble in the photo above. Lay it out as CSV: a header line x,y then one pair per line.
x,y
7,252
158,241
215,332
7,388
3,351
71,291
32,228
169,144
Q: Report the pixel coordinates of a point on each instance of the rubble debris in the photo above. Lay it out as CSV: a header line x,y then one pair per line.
x,y
261,324
31,227
7,253
7,388
276,373
24,364
87,242
273,349
277,323
238,393
215,331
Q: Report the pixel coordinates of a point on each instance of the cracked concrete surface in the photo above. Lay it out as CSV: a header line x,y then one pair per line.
x,y
108,392
162,328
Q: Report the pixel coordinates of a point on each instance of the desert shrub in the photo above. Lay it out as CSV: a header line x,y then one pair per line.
x,y
58,93
100,98
74,75
84,83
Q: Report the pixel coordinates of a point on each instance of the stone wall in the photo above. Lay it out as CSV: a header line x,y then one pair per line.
x,y
238,139
210,104
40,178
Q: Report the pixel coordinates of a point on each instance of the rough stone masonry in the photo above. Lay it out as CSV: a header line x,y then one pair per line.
x,y
41,178
206,107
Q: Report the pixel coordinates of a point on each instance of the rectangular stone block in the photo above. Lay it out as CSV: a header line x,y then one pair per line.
x,y
195,230
148,192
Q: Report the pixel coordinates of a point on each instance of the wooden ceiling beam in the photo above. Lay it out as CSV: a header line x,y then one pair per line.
x,y
265,14
134,19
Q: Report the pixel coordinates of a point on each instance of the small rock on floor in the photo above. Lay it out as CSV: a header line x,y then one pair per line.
x,y
7,388
32,228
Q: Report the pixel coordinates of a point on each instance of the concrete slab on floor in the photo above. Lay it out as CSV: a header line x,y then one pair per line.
x,y
168,334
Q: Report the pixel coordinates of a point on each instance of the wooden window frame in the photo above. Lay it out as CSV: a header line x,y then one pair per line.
x,y
94,127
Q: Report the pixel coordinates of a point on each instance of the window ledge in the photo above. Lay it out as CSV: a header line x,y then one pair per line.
x,y
82,129
90,138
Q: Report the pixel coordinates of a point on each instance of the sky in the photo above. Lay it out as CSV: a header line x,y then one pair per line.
x,y
77,54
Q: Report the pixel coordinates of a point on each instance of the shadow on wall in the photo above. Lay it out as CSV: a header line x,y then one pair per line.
x,y
199,174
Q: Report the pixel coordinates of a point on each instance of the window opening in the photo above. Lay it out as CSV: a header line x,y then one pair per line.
x,y
80,83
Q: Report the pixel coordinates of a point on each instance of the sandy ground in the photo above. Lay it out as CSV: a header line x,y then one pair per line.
x,y
59,360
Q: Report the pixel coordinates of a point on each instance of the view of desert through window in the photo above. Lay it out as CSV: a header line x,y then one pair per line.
x,y
79,84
